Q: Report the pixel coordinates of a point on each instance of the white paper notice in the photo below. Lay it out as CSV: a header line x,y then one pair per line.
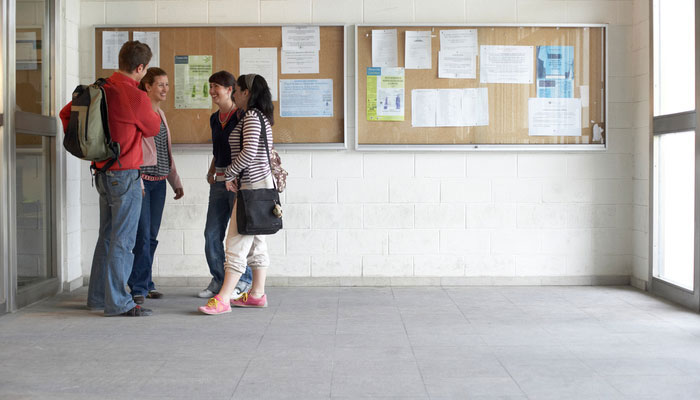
x,y
300,62
384,48
475,107
449,108
456,65
507,64
461,40
301,38
418,50
112,42
423,107
554,117
152,39
306,97
261,61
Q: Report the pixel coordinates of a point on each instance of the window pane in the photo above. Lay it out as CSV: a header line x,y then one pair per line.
x,y
675,207
33,160
32,57
674,56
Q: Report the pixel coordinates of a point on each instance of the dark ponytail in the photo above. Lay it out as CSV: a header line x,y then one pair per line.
x,y
260,96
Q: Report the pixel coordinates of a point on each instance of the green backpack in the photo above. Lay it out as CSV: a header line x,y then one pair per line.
x,y
87,136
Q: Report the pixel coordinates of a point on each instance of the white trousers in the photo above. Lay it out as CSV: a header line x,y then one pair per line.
x,y
242,250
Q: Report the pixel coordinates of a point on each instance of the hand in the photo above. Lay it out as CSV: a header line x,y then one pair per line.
x,y
231,186
210,179
179,192
143,192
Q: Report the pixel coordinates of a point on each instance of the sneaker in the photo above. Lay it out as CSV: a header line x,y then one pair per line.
x,y
246,300
241,287
137,311
154,294
138,299
205,294
215,306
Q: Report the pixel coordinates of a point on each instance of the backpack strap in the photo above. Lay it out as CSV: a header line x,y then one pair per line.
x,y
114,147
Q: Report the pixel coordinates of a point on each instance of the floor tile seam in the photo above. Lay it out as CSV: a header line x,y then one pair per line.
x,y
413,352
511,376
240,378
335,343
444,289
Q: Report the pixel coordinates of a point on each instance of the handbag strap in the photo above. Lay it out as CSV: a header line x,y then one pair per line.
x,y
263,134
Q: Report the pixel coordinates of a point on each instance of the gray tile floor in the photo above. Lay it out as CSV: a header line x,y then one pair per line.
x,y
354,343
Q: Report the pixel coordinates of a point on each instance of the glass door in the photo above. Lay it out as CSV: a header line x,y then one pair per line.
x,y
28,199
34,154
675,270
4,262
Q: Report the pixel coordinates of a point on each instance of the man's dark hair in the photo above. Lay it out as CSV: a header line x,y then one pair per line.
x,y
132,54
223,78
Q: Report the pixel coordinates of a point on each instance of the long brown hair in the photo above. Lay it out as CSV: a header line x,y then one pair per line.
x,y
150,77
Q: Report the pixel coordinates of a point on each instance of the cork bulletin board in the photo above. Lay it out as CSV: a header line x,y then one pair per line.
x,y
507,102
191,126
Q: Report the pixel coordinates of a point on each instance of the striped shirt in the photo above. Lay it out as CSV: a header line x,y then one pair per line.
x,y
250,163
162,167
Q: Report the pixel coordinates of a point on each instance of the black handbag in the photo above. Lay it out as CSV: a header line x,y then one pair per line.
x,y
259,211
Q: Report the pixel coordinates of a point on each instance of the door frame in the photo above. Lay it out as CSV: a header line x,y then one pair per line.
x,y
43,125
661,125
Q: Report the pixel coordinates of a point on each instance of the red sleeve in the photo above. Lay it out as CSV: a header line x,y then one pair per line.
x,y
147,120
65,116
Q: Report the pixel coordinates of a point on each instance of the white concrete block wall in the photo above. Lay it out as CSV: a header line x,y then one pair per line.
x,y
639,218
72,251
349,214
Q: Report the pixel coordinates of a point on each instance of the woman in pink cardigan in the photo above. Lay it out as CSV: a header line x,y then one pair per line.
x,y
158,166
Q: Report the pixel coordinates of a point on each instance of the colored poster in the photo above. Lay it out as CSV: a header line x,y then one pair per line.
x,y
555,71
385,94
192,82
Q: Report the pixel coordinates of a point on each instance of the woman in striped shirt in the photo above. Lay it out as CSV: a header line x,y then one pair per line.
x,y
249,169
158,166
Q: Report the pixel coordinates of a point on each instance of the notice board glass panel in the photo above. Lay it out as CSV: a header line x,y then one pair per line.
x,y
508,109
191,126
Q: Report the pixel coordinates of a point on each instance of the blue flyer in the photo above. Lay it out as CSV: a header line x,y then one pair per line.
x,y
555,71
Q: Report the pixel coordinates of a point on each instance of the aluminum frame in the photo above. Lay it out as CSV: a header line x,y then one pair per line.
x,y
278,146
490,147
34,124
4,167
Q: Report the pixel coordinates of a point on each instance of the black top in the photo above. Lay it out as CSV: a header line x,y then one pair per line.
x,y
219,138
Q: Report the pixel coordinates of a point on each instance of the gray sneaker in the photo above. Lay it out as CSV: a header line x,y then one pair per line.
x,y
213,288
241,287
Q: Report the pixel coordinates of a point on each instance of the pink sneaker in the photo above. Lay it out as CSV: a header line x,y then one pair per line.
x,y
215,305
246,300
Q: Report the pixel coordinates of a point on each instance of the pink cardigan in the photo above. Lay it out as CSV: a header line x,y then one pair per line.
x,y
150,157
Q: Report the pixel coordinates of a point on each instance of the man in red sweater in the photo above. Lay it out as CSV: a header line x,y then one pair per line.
x,y
130,116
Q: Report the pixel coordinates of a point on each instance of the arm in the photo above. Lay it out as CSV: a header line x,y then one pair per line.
x,y
210,172
173,177
251,138
145,118
65,115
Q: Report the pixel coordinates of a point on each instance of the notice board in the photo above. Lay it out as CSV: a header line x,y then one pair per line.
x,y
511,106
191,126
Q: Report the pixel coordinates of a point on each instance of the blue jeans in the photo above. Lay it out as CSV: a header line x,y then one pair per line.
x,y
140,281
218,215
120,206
